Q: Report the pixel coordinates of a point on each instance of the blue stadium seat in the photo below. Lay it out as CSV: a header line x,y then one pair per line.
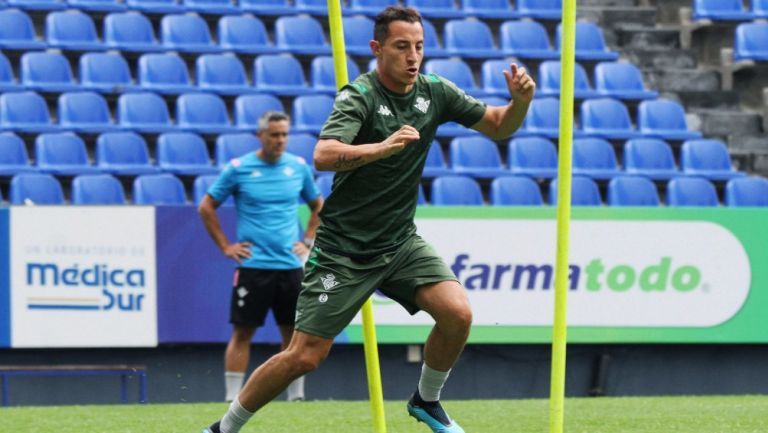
x,y
432,47
751,42
312,7
36,188
454,129
691,191
300,35
62,154
24,111
143,112
203,113
548,83
183,153
130,31
156,6
97,189
435,163
158,189
456,191
436,8
632,191
310,112
590,43
489,9
123,153
526,40
186,33
244,34
280,74
476,156
708,158
515,191
421,199
607,118
664,119
540,9
14,158
47,72
367,7
650,157
17,32
543,119
492,78
720,10
532,156
323,74
38,5
457,71
760,9
234,145
105,72
84,112
222,73
267,7
358,31
98,5
303,146
621,80
324,184
72,30
219,7
594,157
469,39
584,192
249,108
202,184
164,73
747,192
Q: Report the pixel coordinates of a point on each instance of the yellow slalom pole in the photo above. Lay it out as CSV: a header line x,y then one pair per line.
x,y
369,328
559,329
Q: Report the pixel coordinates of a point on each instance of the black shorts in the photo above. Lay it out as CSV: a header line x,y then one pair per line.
x,y
257,290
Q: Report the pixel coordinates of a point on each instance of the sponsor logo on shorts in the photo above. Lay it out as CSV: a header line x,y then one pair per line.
x,y
241,292
329,281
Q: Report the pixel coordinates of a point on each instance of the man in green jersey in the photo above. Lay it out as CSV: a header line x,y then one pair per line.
x,y
376,140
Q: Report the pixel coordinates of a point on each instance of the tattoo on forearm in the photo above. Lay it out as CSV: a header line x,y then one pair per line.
x,y
344,163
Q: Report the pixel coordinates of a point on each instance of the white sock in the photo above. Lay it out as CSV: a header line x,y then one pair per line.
x,y
296,389
233,381
431,383
235,418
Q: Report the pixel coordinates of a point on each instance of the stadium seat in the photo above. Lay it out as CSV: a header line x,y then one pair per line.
x,y
202,113
183,153
244,34
72,30
358,31
469,39
323,74
7,79
17,32
186,33
421,199
493,80
594,157
310,112
621,80
300,35
164,73
650,157
62,154
24,111
489,9
280,74
267,7
584,192
691,191
325,184
526,40
456,191
97,189
747,192
98,5
202,184
606,118
158,189
130,31
432,47
366,7
156,6
476,156
543,119
720,10
707,158
38,5
218,7
303,146
548,83
143,112
46,72
35,188
632,191
223,74
84,112
105,72
760,9
532,156
540,9
249,108
312,7
751,42
664,119
590,43
435,163
436,8
123,153
234,145
515,191
455,70
454,129
14,158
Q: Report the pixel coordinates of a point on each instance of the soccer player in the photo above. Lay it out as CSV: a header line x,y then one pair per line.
x,y
266,185
376,140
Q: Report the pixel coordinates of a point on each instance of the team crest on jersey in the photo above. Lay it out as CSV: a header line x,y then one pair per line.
x,y
343,96
384,110
329,281
288,171
256,173
422,104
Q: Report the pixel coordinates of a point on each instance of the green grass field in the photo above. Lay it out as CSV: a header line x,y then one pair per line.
x,y
742,414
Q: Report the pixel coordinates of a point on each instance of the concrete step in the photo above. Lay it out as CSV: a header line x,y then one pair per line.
x,y
728,100
660,58
607,3
680,80
647,38
611,17
722,123
748,143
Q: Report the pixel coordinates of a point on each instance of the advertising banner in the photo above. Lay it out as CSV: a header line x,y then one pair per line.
x,y
5,281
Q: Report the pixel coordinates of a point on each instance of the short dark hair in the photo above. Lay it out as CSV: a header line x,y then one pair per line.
x,y
393,13
272,116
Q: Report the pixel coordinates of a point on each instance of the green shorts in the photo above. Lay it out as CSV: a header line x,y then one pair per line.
x,y
335,287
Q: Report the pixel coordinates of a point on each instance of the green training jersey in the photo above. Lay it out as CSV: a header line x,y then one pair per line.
x,y
371,208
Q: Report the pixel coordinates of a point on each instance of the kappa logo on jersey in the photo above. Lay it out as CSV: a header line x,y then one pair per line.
x,y
329,281
384,110
289,171
422,104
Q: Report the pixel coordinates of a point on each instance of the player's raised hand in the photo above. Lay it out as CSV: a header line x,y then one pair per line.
x,y
521,85
396,142
238,251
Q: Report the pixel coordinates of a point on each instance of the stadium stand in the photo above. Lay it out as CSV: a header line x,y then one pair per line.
x,y
234,145
46,72
357,34
310,112
142,112
323,76
7,79
186,33
222,74
435,164
606,118
130,31
17,31
25,112
720,10
456,191
324,184
164,73
595,158
493,82
747,192
97,189
300,35
526,39
476,156
14,158
303,146
456,71
219,7
532,156
707,158
123,154
280,75
367,7
489,9
244,34
650,157
540,9
183,153
431,43
98,5
469,39
201,185
267,7
35,5
249,108
156,6
664,119
759,9
158,189
751,42
621,80
105,72
62,154
72,30
36,188
84,112
203,113
691,192
515,191
548,83
584,192
436,8
632,191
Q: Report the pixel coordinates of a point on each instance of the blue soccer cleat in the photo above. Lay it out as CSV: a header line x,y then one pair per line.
x,y
432,414
214,428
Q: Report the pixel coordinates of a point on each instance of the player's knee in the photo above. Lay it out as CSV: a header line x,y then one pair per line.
x,y
458,321
307,362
